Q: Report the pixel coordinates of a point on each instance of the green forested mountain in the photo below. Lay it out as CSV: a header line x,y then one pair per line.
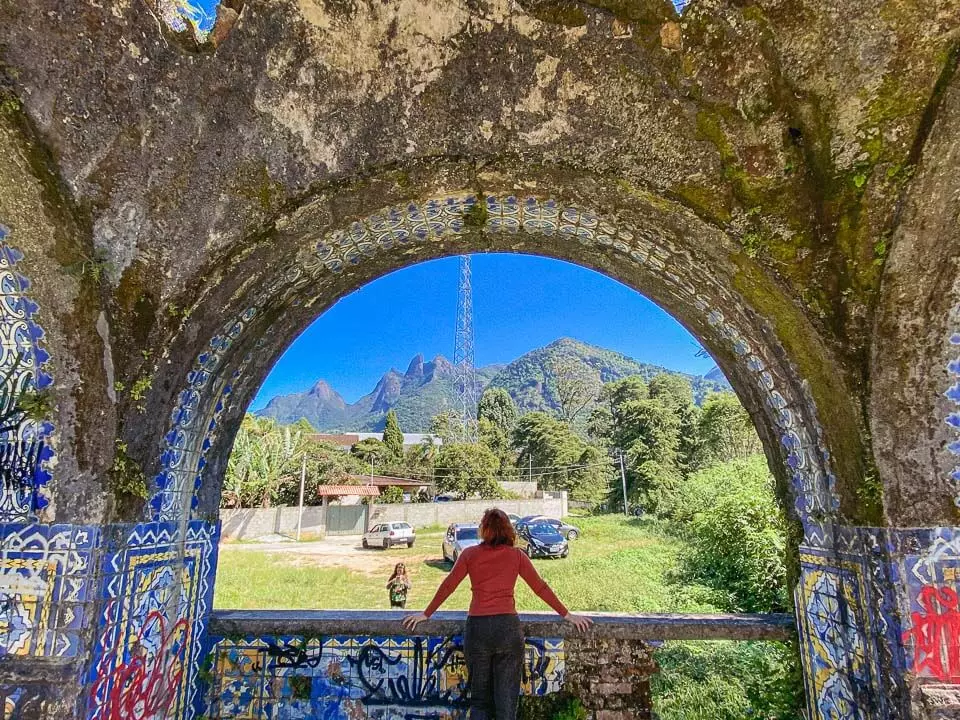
x,y
427,388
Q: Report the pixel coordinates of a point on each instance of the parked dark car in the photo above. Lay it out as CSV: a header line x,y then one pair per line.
x,y
570,532
540,539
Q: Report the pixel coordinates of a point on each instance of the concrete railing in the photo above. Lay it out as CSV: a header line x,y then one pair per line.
x,y
359,664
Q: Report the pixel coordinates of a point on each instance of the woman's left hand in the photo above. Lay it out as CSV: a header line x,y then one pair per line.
x,y
410,622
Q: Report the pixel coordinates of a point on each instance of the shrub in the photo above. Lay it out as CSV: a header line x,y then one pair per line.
x,y
737,535
728,681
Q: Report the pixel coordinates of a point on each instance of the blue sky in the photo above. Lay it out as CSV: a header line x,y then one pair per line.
x,y
521,302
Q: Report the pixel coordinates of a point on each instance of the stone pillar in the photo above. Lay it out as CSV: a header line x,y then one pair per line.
x,y
611,677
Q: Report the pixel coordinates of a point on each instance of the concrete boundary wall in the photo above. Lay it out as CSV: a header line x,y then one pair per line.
x,y
444,513
250,523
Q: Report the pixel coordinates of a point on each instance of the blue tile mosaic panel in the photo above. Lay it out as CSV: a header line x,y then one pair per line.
x,y
25,452
193,429
206,393
45,577
356,677
836,637
156,598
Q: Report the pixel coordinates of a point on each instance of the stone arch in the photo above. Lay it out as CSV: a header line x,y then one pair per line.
x,y
327,261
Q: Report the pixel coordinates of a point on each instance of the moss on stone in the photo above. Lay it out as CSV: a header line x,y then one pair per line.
x,y
843,426
476,216
556,12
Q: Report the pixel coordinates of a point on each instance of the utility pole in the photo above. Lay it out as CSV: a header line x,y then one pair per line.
x,y
623,480
303,482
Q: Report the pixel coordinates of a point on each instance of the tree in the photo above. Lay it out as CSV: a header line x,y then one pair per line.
x,y
393,435
727,429
673,391
467,469
263,454
373,451
737,534
391,495
564,461
445,425
326,464
498,408
575,385
496,418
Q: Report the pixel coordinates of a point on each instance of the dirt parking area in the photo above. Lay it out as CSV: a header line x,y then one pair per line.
x,y
342,552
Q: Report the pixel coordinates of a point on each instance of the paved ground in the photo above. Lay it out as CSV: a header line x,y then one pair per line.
x,y
343,551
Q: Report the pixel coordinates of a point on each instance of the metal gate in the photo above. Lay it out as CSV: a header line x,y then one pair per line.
x,y
346,519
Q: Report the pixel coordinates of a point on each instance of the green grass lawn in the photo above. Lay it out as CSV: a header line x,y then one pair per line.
x,y
617,565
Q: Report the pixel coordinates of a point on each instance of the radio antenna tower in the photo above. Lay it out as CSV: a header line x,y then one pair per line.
x,y
463,357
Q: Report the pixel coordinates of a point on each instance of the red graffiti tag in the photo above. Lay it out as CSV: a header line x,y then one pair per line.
x,y
936,634
144,687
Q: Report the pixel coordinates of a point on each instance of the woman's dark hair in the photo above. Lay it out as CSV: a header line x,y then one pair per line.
x,y
496,529
397,568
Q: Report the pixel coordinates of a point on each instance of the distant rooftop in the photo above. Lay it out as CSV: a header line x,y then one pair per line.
x,y
349,439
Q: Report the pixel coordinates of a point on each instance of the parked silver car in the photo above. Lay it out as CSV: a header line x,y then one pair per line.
x,y
459,537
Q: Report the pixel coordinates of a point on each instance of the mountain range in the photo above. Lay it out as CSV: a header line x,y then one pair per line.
x,y
429,387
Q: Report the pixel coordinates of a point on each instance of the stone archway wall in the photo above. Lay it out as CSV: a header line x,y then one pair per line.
x,y
915,409
325,263
150,177
461,222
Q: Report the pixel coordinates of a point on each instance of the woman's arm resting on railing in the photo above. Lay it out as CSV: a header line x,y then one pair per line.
x,y
449,584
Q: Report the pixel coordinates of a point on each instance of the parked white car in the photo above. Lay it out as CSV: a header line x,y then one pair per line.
x,y
388,534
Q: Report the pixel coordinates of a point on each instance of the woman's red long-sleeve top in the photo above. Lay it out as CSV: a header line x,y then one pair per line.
x,y
493,571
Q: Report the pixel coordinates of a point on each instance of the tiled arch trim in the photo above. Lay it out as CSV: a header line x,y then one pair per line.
x,y
206,394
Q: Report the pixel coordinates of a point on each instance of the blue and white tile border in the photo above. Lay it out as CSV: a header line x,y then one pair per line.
x,y
953,394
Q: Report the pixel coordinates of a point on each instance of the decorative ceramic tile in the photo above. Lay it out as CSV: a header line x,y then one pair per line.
x,y
356,677
840,667
25,452
44,586
193,426
156,598
197,16
953,394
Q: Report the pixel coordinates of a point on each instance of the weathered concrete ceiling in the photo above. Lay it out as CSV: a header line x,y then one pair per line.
x,y
789,128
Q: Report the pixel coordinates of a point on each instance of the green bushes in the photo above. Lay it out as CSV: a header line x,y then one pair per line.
x,y
736,535
726,680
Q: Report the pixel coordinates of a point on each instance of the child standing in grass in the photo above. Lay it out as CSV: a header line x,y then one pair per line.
x,y
398,586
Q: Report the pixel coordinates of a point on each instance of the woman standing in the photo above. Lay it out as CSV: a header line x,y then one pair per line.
x,y
493,638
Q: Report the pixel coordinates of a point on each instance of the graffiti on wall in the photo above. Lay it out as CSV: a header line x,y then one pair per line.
x,y
25,452
931,578
351,678
157,593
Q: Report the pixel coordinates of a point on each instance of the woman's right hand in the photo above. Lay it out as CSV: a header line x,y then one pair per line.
x,y
580,622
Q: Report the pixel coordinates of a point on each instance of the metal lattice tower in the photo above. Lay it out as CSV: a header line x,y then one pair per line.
x,y
463,357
